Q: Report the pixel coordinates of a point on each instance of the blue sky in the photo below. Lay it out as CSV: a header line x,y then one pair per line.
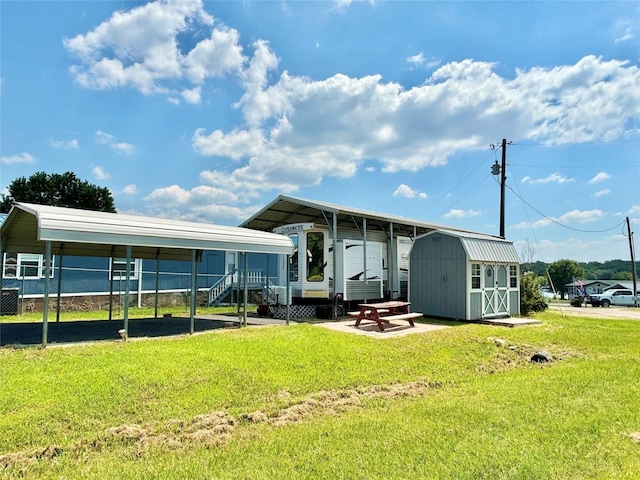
x,y
206,111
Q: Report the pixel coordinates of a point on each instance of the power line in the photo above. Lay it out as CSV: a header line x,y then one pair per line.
x,y
558,223
452,188
556,166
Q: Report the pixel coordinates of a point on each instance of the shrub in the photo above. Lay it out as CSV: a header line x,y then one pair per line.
x,y
531,299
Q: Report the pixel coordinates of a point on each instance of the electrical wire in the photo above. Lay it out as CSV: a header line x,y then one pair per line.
x,y
561,224
468,192
456,185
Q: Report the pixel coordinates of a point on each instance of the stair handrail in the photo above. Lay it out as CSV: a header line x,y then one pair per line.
x,y
221,286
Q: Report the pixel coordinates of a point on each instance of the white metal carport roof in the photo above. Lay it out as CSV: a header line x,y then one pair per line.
x,y
87,233
285,209
51,231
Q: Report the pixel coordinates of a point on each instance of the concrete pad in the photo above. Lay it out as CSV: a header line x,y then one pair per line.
x,y
370,329
509,321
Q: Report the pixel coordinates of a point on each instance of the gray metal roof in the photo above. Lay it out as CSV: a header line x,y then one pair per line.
x,y
88,233
484,248
288,210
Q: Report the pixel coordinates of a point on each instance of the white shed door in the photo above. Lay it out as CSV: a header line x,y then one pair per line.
x,y
495,298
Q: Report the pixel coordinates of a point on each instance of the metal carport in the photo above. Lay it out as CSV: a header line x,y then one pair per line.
x,y
49,231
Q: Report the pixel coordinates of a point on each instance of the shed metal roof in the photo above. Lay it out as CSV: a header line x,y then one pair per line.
x,y
289,210
484,248
88,233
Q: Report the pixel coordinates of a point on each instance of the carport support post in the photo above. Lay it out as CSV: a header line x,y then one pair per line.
x,y
288,290
335,253
45,307
59,283
127,291
391,276
364,255
155,306
245,296
194,292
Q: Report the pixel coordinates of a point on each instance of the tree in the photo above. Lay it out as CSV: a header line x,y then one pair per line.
x,y
563,272
58,190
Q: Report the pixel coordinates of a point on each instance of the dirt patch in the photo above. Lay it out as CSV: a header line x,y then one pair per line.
x,y
215,428
509,355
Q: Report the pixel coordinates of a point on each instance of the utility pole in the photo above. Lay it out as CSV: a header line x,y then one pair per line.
x,y
633,264
502,171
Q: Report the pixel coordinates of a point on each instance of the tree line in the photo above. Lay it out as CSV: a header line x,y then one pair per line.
x,y
609,270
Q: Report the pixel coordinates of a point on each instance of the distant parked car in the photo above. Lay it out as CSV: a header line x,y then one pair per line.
x,y
614,296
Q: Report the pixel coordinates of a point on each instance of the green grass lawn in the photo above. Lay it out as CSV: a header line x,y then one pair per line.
x,y
301,401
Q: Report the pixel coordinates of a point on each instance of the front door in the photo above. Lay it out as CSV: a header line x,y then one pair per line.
x,y
495,298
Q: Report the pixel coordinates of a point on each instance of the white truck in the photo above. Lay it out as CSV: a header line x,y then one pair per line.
x,y
614,296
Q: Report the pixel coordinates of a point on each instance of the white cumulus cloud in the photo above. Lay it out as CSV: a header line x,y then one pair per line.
x,y
100,173
140,48
600,177
16,159
457,213
408,192
553,178
65,144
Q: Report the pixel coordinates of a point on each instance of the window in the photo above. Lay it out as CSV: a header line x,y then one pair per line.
x,y
293,265
26,266
513,276
475,275
119,268
315,257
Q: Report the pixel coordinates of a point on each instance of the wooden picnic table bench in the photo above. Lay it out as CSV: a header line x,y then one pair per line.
x,y
384,312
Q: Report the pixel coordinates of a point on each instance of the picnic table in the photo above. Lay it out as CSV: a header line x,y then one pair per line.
x,y
384,312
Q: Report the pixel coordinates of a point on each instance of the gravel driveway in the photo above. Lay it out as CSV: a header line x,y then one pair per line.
x,y
629,313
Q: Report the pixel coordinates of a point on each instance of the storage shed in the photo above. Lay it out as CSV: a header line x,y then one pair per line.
x,y
464,276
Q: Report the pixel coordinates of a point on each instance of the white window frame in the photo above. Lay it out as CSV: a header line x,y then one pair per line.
x,y
513,274
136,268
476,272
21,259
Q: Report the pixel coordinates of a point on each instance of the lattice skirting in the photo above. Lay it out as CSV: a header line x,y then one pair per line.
x,y
297,311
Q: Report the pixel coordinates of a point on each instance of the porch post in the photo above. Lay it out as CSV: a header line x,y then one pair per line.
x,y
45,307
